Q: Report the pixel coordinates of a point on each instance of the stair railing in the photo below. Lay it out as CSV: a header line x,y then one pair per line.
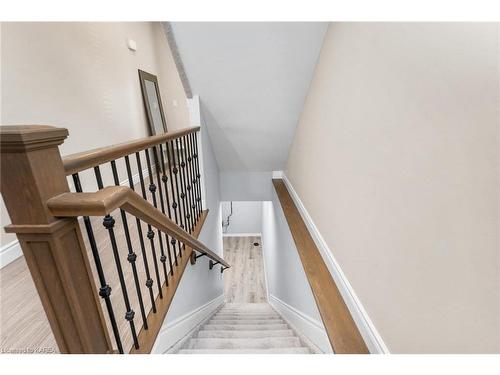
x,y
45,214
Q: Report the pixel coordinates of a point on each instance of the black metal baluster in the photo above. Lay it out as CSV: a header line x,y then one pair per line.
x,y
149,280
175,205
105,289
189,179
196,178
183,186
109,223
164,178
160,190
152,189
198,175
150,234
131,257
192,173
176,171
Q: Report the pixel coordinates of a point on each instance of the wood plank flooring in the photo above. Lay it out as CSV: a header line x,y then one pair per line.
x,y
244,282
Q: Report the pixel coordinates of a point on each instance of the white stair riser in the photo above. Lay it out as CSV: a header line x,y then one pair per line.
x,y
247,343
253,311
246,309
234,317
247,351
246,334
242,315
245,327
248,321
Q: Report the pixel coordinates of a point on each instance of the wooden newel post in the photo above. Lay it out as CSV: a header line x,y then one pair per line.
x,y
32,172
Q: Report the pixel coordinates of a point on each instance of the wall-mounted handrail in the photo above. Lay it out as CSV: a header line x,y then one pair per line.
x,y
81,161
342,331
105,201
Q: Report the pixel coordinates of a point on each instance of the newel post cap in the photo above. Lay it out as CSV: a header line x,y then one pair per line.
x,y
21,138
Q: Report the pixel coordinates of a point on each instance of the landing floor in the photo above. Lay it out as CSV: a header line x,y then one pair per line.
x,y
244,282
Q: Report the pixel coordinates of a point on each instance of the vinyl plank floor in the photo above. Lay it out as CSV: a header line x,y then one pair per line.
x,y
244,281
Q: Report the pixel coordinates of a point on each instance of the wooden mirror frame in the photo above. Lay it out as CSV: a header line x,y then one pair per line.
x,y
143,77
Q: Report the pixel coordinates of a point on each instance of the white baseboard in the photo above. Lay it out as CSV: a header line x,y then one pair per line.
x,y
312,329
264,264
241,234
9,253
174,331
372,338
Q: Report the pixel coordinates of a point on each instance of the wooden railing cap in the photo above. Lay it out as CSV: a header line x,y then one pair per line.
x,y
99,203
88,159
108,199
17,138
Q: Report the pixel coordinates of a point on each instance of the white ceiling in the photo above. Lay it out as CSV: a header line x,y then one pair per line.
x,y
252,79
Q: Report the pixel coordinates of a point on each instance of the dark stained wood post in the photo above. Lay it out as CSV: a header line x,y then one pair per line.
x,y
32,172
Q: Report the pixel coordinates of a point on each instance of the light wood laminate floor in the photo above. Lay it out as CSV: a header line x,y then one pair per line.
x,y
244,282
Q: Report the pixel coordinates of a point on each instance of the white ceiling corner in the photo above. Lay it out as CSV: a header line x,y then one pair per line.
x,y
252,79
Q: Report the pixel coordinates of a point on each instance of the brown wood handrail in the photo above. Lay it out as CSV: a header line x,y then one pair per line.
x,y
88,159
104,201
76,300
342,331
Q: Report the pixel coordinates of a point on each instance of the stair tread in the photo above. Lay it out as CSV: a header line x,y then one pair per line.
x,y
246,316
222,313
245,334
245,327
246,321
244,343
300,350
250,310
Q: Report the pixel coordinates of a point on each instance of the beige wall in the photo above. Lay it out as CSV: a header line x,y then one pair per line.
x,y
396,159
83,77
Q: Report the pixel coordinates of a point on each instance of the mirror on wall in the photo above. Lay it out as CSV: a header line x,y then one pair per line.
x,y
152,103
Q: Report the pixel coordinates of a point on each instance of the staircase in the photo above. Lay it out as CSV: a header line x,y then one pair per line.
x,y
244,328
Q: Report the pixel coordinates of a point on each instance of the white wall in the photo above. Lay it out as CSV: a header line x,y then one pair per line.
x,y
82,76
286,277
396,159
246,217
246,186
253,78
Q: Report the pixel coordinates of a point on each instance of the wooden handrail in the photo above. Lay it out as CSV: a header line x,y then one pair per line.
x,y
104,201
342,331
84,160
34,177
